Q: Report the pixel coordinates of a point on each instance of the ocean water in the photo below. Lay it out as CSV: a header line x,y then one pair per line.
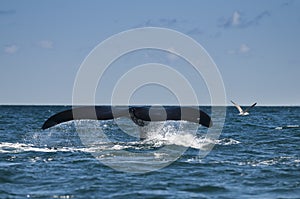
x,y
256,156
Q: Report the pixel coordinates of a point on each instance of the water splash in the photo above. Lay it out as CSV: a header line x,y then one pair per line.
x,y
159,134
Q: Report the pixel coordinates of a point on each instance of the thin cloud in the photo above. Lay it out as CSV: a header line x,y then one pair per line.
x,y
257,19
162,22
287,3
237,20
243,49
47,44
7,12
11,49
147,23
195,31
168,22
231,52
233,21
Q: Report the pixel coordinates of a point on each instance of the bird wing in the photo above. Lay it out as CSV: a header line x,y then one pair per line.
x,y
238,107
250,107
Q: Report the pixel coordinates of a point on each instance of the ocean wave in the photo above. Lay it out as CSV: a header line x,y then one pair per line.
x,y
284,160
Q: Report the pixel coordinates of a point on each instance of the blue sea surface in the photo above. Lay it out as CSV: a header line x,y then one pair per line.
x,y
256,156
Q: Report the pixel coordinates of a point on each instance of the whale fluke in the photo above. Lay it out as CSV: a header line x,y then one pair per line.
x,y
138,114
241,111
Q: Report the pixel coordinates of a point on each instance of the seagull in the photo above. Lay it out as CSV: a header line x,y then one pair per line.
x,y
242,112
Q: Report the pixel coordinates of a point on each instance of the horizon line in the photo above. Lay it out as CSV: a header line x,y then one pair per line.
x,y
59,104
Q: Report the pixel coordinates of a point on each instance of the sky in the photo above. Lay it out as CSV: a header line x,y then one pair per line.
x,y
255,45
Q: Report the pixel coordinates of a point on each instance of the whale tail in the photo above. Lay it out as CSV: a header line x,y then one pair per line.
x,y
138,114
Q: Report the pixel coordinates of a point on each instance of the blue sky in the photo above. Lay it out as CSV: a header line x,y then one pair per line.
x,y
255,44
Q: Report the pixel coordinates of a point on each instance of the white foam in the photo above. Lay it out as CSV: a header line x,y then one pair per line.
x,y
7,147
292,126
285,160
227,141
287,127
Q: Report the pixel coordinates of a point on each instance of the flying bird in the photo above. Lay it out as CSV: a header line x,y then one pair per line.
x,y
243,112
